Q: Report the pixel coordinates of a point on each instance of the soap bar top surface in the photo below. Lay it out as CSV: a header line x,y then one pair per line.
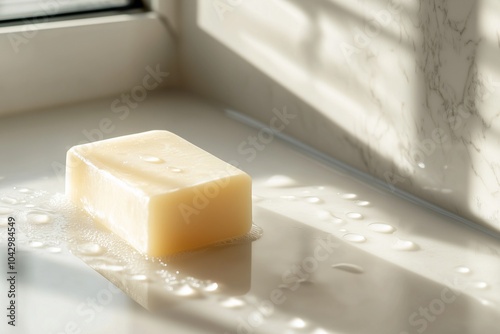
x,y
155,161
159,192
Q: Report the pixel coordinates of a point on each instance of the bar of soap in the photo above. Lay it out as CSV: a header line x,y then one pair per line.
x,y
159,192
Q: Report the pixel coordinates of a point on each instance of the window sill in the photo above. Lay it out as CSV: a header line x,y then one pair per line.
x,y
80,59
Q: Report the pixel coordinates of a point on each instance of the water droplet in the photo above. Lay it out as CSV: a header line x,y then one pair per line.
x,y
185,291
289,197
151,159
232,303
348,267
354,215
36,244
139,277
382,228
319,331
278,181
211,287
9,200
175,170
421,165
256,198
405,245
108,267
337,220
354,237
297,323
25,190
481,285
323,214
38,218
343,230
349,196
313,200
195,284
5,211
362,203
90,249
463,270
54,249
172,281
486,302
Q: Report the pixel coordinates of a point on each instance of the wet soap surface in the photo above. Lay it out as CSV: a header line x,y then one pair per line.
x,y
336,255
159,192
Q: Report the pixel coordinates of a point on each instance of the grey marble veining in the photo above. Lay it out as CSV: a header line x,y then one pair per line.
x,y
407,91
452,157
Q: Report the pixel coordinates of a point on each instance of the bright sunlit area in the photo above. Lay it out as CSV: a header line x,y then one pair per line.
x,y
249,166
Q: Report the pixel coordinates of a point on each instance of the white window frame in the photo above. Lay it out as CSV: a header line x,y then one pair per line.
x,y
70,60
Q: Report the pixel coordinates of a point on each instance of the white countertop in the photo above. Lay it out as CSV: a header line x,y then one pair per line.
x,y
321,266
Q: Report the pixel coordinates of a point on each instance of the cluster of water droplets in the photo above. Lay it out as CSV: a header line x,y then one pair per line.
x,y
328,216
19,203
337,217
344,219
377,227
399,244
49,223
464,271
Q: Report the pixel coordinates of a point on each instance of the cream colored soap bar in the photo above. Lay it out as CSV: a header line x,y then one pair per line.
x,y
159,192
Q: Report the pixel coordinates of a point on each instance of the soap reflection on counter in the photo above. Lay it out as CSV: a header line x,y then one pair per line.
x,y
220,270
229,266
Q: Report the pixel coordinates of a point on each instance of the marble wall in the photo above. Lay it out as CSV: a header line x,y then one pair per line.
x,y
408,91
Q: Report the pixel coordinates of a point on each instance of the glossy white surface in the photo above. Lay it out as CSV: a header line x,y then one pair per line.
x,y
346,256
407,91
